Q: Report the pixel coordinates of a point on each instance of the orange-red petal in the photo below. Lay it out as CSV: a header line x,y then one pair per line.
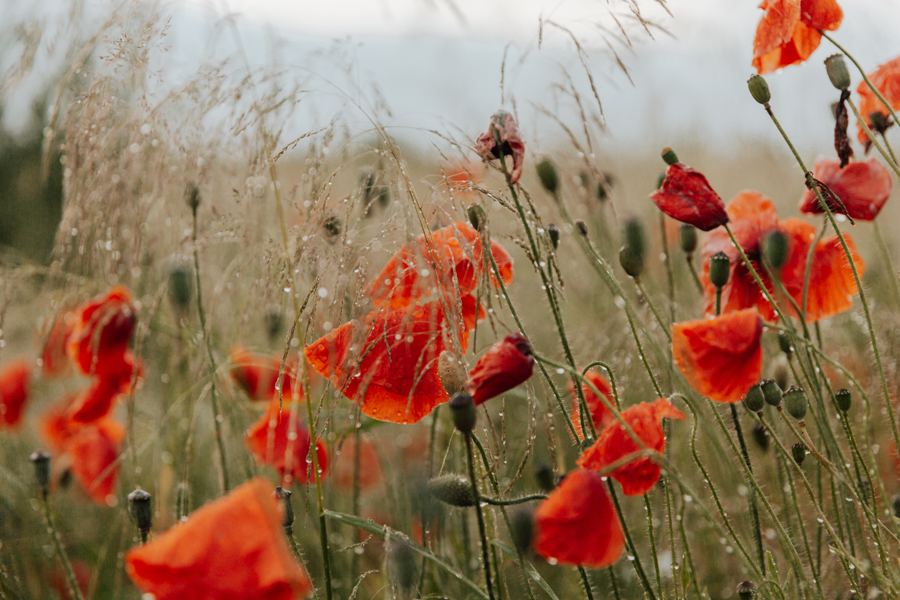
x,y
821,14
600,415
103,327
344,466
15,382
257,374
505,365
887,79
686,196
93,450
782,37
862,187
269,440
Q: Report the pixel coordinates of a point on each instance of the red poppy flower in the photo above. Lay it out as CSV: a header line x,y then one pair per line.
x,y
789,31
831,287
15,381
93,451
577,523
686,196
344,465
460,173
257,374
230,549
504,264
638,476
887,79
269,440
97,400
511,142
54,357
99,340
388,363
504,366
863,187
600,415
720,357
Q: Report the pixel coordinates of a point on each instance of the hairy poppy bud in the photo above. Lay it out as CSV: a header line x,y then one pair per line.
x,y
631,261
771,392
795,402
192,196
477,217
505,365
688,238
634,236
760,436
451,372
719,269
775,249
798,450
755,400
746,590
759,89
332,226
895,504
781,375
553,234
837,71
453,490
669,156
842,397
401,567
784,342
522,527
273,321
41,462
462,410
543,473
581,228
546,171
141,511
283,497
180,286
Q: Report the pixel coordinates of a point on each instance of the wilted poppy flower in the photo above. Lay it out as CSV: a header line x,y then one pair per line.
x,y
229,549
257,374
54,357
99,340
720,357
505,365
788,32
15,381
686,196
863,188
887,79
638,476
269,440
831,285
388,362
600,415
344,465
511,143
577,523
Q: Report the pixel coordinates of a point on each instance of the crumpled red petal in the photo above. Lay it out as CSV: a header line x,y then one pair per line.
x,y
505,365
269,440
862,186
94,450
511,143
101,333
257,374
686,196
887,79
601,416
788,33
15,383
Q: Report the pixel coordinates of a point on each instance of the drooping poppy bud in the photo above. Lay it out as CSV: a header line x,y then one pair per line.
x,y
452,372
192,196
522,527
784,342
688,238
553,234
746,590
759,89
503,138
546,172
632,262
180,286
686,196
771,392
462,411
41,462
719,269
505,365
836,68
543,474
453,490
798,451
141,511
775,249
477,216
284,500
755,400
795,402
581,227
843,399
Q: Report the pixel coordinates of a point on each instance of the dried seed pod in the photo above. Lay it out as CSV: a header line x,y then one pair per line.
x,y
462,410
798,450
755,400
719,269
452,373
795,402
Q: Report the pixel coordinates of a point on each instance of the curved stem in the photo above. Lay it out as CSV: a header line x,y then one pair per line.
x,y
485,558
648,589
71,582
662,325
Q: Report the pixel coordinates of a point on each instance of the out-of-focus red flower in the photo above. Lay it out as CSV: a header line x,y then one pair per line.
x,y
97,400
269,440
863,187
461,173
511,143
720,357
638,476
577,524
230,549
504,264
257,374
343,466
789,31
388,363
82,572
686,196
600,415
54,357
99,340
15,382
505,365
887,79
831,286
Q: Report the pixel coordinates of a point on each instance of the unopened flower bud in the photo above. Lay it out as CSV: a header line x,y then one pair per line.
x,y
477,217
798,450
719,269
771,392
273,321
795,402
759,89
553,234
631,261
462,410
843,399
332,226
451,372
546,171
634,236
836,68
141,511
688,238
760,436
180,286
522,527
755,400
602,191
283,497
581,228
453,490
775,249
784,342
781,375
192,196
669,156
402,570
543,473
41,462
746,590
879,122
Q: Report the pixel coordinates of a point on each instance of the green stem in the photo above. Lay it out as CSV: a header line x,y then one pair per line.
x,y
649,512
865,126
71,582
886,257
751,497
648,589
485,558
662,324
586,583
670,277
690,264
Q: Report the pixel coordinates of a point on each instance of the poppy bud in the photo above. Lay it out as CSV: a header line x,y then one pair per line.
x,y
602,193
842,397
688,238
895,504
795,402
462,410
837,71
632,262
273,321
332,226
546,171
140,510
401,567
760,436
719,267
759,89
634,236
581,227
798,450
451,372
775,249
283,497
879,122
180,286
746,590
543,473
41,462
192,196
505,365
477,217
669,156
771,392
781,375
755,400
522,527
553,234
453,490
784,342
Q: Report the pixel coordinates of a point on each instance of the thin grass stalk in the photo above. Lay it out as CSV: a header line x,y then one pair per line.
x,y
71,582
649,512
796,506
630,547
587,584
485,557
666,328
888,262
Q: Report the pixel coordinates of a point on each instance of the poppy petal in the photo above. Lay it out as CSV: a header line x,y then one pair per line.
x,y
93,450
862,187
505,365
600,415
270,441
782,37
15,383
686,196
99,339
511,142
821,14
